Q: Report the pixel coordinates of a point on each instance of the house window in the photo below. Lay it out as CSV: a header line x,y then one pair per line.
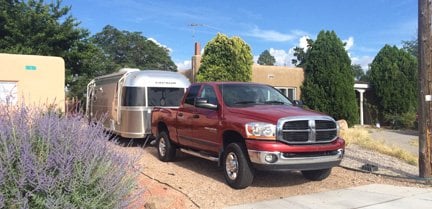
x,y
8,92
289,92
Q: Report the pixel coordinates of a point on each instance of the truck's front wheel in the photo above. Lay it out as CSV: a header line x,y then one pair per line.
x,y
166,150
317,175
237,171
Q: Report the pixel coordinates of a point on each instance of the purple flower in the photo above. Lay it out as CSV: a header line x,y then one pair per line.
x,y
50,161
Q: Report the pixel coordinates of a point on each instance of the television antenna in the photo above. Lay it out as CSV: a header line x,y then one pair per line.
x,y
193,26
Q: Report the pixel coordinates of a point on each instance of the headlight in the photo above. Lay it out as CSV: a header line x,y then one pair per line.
x,y
257,130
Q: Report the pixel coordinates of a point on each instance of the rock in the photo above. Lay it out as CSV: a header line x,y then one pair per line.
x,y
150,205
343,125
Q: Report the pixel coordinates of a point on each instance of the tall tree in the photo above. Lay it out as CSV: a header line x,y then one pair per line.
x,y
33,27
226,59
358,72
329,82
266,58
393,74
86,61
131,49
301,54
411,47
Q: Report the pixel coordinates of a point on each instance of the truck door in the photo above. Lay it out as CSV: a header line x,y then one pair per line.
x,y
205,124
185,116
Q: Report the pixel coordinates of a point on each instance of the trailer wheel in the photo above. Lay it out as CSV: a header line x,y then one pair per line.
x,y
237,170
317,175
166,149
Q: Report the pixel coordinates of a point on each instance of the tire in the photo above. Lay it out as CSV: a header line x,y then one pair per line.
x,y
317,175
237,170
166,149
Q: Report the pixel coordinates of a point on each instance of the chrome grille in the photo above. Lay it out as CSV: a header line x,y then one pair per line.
x,y
296,125
307,130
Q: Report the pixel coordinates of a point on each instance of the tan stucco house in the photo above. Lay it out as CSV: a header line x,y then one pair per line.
x,y
286,79
32,80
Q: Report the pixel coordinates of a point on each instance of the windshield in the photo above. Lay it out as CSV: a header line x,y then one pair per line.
x,y
251,94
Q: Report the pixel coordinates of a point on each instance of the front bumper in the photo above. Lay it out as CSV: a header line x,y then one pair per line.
x,y
267,160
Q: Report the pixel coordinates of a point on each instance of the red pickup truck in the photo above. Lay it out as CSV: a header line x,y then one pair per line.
x,y
248,126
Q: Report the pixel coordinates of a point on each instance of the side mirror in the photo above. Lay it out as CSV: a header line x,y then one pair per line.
x,y
203,103
298,103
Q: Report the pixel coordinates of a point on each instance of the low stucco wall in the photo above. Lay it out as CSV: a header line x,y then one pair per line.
x,y
40,80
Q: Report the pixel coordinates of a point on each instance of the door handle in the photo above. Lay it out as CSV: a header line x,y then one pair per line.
x,y
195,116
180,114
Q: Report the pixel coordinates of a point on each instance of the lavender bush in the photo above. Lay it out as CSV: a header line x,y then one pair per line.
x,y
50,161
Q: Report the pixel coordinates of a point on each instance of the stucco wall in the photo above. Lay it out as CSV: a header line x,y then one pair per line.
x,y
279,76
40,79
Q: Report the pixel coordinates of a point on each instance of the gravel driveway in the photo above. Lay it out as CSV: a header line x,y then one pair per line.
x,y
191,182
405,139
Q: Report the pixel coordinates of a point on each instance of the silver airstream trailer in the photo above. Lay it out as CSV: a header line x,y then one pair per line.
x,y
124,100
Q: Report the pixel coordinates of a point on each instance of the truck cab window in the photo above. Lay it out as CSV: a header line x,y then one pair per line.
x,y
192,94
209,94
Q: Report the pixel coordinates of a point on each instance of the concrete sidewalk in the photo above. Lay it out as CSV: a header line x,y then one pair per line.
x,y
366,197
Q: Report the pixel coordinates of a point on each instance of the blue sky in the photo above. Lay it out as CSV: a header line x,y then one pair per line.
x,y
278,26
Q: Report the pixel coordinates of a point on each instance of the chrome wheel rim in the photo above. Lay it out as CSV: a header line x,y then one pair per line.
x,y
162,146
231,166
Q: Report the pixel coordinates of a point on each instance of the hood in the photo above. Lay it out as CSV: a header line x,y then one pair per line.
x,y
271,113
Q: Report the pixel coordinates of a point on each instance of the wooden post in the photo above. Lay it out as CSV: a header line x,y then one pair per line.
x,y
425,78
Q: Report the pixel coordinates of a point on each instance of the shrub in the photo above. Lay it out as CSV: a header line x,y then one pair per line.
x,y
49,161
404,120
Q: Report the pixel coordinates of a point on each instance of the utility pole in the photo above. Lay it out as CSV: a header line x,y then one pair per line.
x,y
425,91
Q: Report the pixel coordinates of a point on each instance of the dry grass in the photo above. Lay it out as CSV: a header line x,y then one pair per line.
x,y
362,138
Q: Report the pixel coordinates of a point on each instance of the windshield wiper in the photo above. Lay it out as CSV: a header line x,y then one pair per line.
x,y
245,102
274,102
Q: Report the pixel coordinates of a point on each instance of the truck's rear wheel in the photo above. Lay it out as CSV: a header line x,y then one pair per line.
x,y
237,171
166,149
317,175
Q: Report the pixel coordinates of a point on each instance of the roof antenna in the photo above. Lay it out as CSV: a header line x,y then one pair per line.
x,y
194,25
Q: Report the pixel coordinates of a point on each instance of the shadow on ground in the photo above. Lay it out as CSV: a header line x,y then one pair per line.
x,y
211,169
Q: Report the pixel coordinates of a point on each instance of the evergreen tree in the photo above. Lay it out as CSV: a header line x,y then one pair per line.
x,y
329,82
226,59
393,74
301,54
266,58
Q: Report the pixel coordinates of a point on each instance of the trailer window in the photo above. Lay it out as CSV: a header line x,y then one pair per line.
x,y
158,96
133,96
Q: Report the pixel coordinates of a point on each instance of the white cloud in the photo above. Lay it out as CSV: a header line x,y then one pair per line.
x,y
349,43
303,42
282,57
271,35
285,57
185,65
159,44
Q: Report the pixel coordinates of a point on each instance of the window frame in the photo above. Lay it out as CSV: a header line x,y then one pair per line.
x,y
287,88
